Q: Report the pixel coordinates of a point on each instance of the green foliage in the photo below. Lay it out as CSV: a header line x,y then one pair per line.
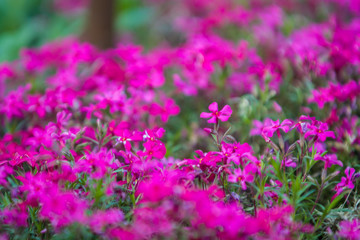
x,y
31,23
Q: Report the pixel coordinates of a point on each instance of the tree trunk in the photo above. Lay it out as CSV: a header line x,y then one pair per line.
x,y
99,26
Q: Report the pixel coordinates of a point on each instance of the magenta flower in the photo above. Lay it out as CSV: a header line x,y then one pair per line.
x,y
350,229
346,182
169,109
16,216
224,114
96,164
321,132
303,123
269,130
154,134
153,149
125,137
5,171
155,189
205,159
288,162
242,176
258,126
334,92
6,71
226,150
13,104
329,160
62,208
320,97
100,219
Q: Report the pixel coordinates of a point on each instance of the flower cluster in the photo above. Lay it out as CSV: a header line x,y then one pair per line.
x,y
118,144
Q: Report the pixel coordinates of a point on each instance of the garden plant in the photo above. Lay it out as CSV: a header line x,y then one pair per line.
x,y
221,119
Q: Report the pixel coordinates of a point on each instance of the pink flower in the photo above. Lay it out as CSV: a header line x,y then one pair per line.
x,y
205,159
215,114
185,87
329,159
242,176
154,134
321,132
268,131
155,189
102,218
13,104
169,109
346,182
258,126
350,229
153,149
125,137
277,107
5,171
288,162
96,164
16,216
334,92
6,71
62,209
321,97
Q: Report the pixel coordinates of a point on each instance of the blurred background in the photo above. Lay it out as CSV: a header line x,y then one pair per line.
x,y
277,40
31,23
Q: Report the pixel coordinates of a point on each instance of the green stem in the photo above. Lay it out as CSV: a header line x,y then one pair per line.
x,y
317,198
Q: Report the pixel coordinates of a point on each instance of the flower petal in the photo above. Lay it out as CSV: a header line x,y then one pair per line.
x,y
224,118
205,115
213,107
212,120
226,110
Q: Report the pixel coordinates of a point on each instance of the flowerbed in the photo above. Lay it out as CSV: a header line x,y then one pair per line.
x,y
247,128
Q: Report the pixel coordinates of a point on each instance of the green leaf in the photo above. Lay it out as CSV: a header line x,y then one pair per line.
x,y
329,207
